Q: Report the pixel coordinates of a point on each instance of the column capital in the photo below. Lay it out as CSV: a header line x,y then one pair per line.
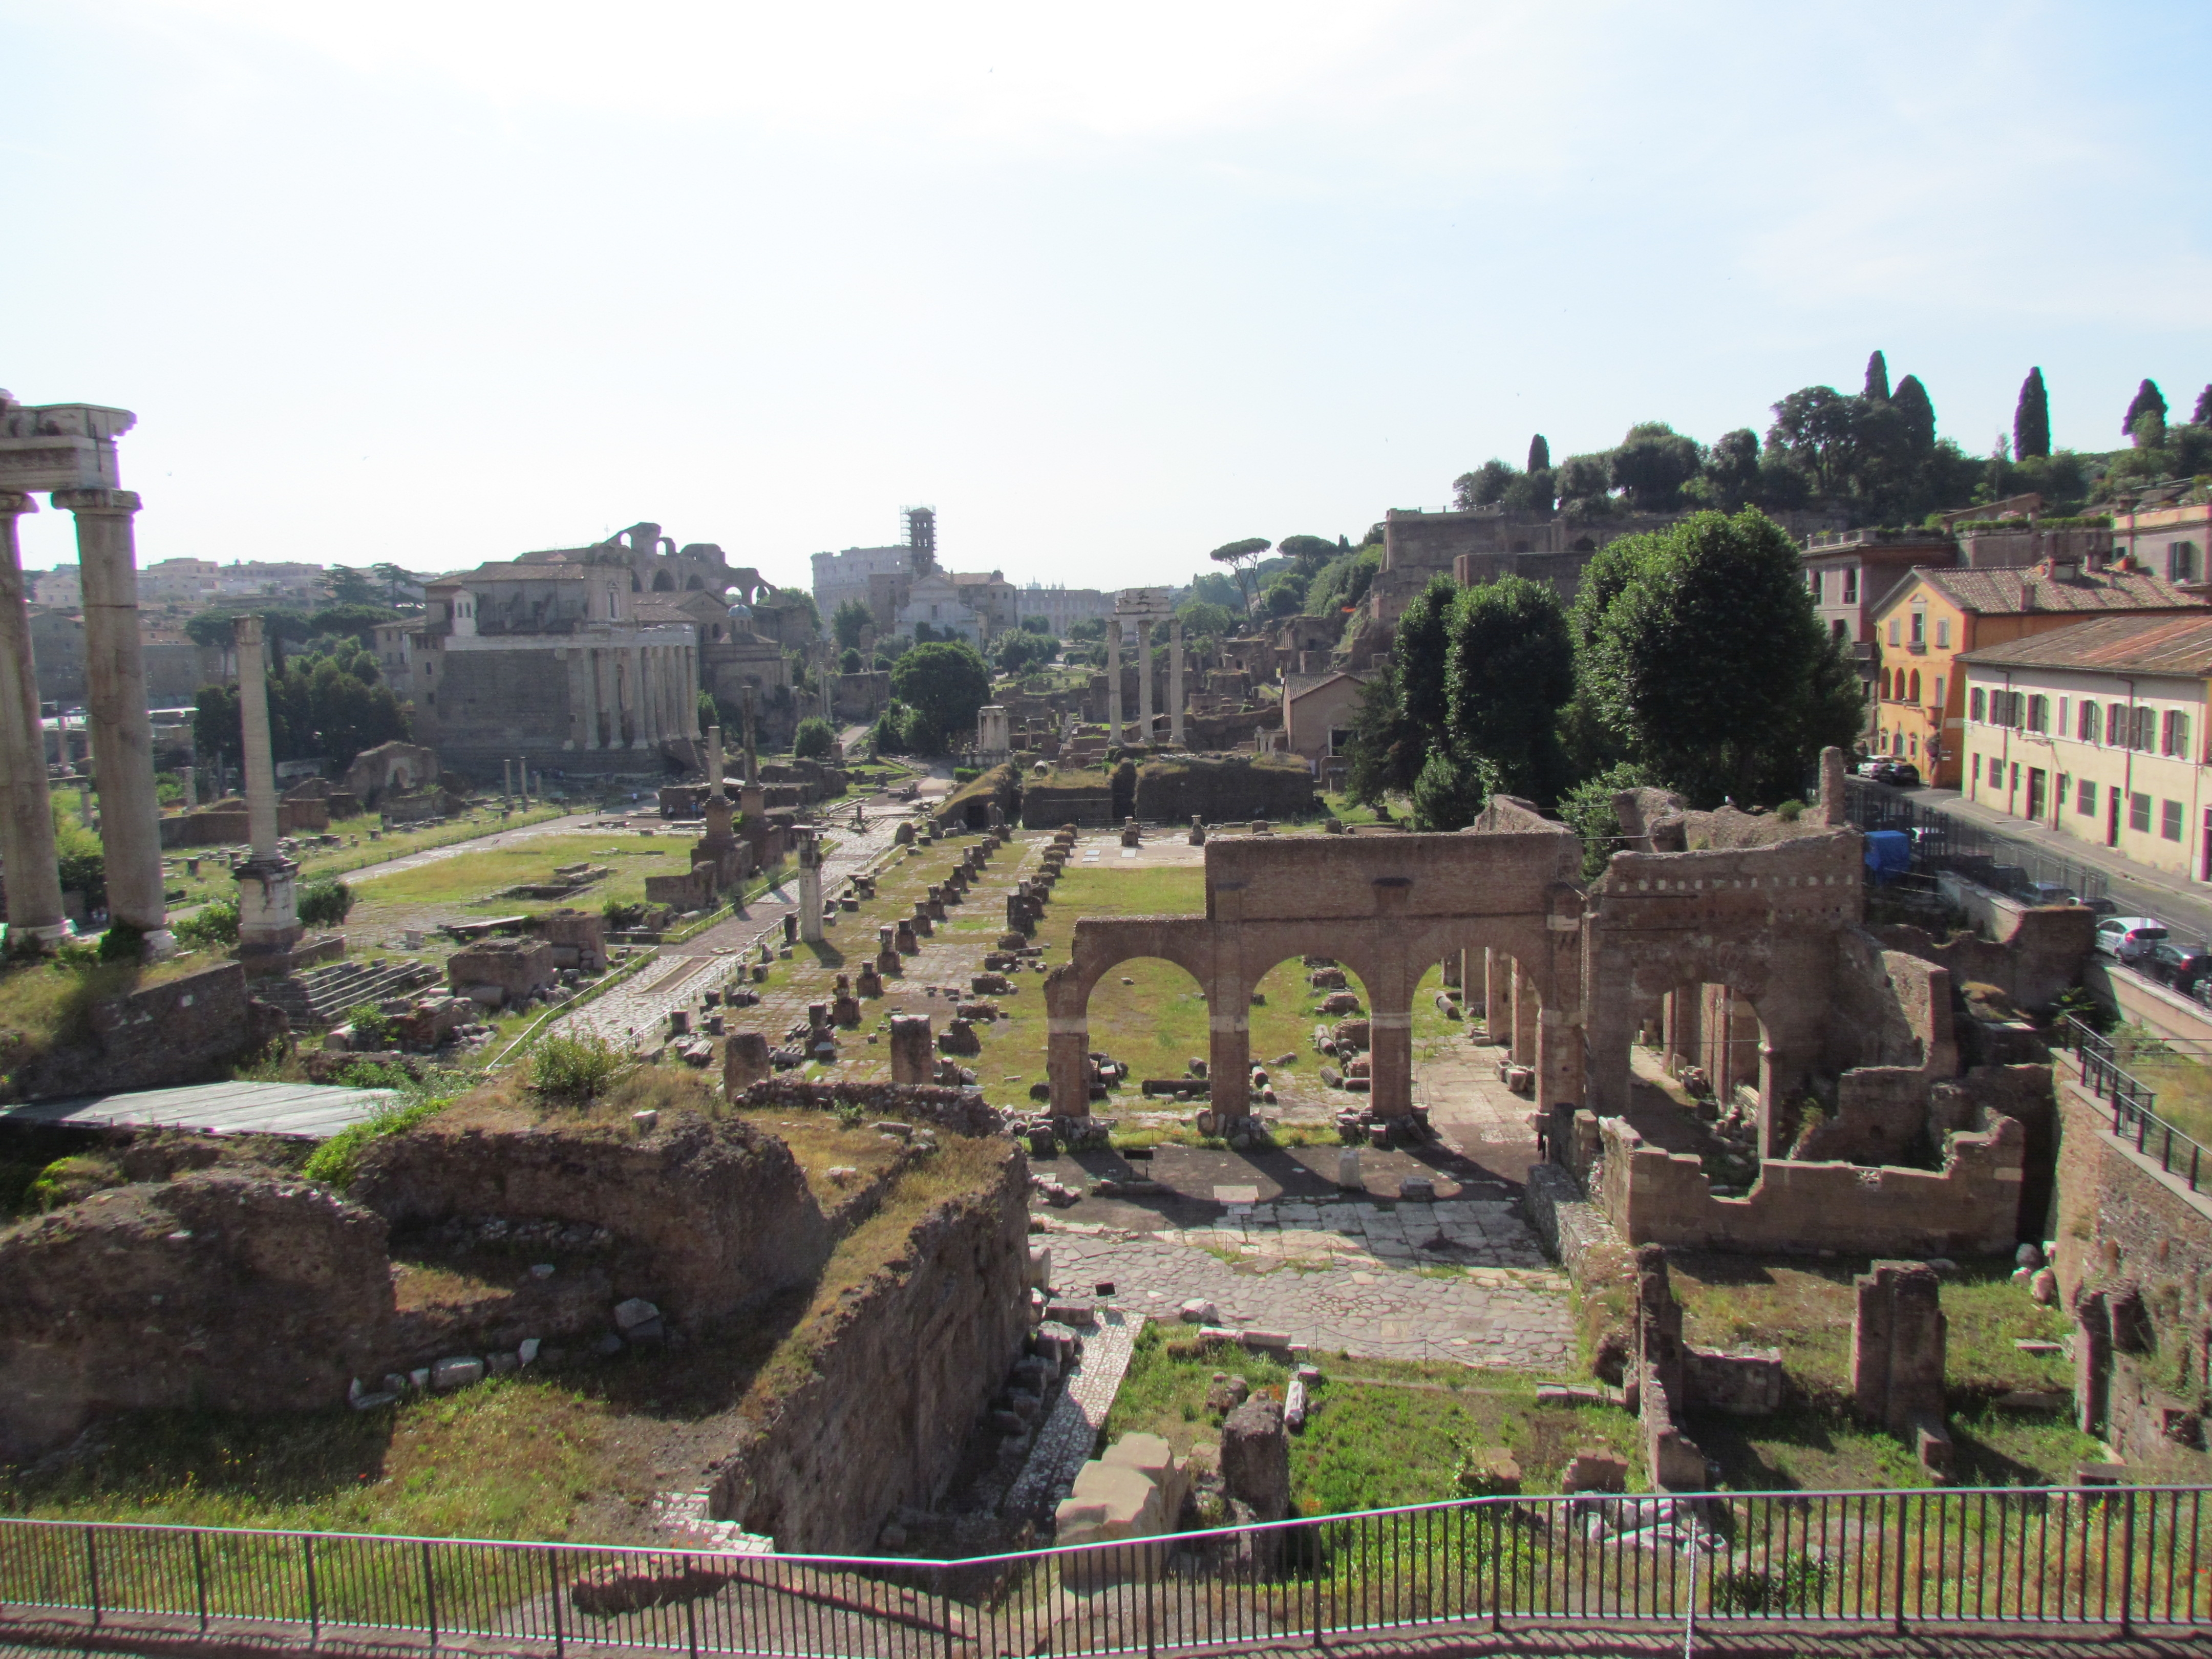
x,y
13,501
97,500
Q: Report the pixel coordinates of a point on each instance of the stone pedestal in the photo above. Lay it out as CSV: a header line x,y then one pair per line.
x,y
115,702
26,822
912,1061
745,1062
1898,1336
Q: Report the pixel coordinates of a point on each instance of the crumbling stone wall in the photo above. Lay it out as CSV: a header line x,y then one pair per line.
x,y
186,1029
1070,797
904,1366
216,1289
1219,787
711,1216
1890,1039
1969,1207
2134,1262
2034,960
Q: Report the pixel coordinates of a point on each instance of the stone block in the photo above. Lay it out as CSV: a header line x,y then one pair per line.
x,y
456,1373
1255,1459
1594,1470
633,1313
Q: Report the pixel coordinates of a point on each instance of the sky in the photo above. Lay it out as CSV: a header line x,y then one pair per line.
x,y
437,281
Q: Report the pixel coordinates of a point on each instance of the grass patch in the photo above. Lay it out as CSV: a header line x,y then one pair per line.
x,y
48,1004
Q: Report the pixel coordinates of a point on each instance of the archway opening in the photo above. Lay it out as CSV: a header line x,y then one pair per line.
x,y
1149,1014
663,582
1698,1080
1309,1036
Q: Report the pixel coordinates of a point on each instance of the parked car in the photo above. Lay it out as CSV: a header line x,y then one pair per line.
x,y
2045,892
1883,769
2100,906
2181,964
1905,774
2129,938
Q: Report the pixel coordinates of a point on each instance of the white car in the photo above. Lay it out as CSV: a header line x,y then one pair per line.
x,y
2129,938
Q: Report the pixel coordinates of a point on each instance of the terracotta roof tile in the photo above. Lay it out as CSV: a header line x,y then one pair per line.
x,y
2117,645
2010,593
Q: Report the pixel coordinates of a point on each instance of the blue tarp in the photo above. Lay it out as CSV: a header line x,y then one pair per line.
x,y
1888,852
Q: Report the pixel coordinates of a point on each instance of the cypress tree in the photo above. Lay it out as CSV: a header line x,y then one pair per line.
x,y
1540,452
2204,414
1877,377
2031,418
2148,399
1912,402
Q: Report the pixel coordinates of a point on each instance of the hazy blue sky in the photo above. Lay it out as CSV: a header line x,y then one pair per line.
x,y
434,282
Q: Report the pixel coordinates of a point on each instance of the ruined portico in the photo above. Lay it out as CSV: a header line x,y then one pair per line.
x,y
67,452
1144,609
1388,908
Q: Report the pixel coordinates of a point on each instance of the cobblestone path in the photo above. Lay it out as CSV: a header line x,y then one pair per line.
x,y
1507,1317
1065,1439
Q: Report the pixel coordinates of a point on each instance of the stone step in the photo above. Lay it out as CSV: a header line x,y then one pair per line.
x,y
320,999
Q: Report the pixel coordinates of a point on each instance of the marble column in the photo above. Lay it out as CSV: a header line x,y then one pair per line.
x,y
1144,682
115,702
1175,683
1113,680
591,698
26,819
691,689
633,696
810,888
268,882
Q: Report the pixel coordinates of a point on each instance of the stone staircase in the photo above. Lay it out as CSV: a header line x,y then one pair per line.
x,y
319,999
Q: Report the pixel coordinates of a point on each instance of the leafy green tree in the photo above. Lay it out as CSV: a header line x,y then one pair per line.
x,y
1037,625
1286,595
1199,617
1093,629
1584,484
1540,454
1307,554
1588,809
2031,418
890,729
1486,485
1732,469
814,739
1509,668
347,586
1877,378
395,582
1019,650
213,626
943,683
1710,662
1423,653
848,662
1817,429
1910,400
849,621
1531,492
1387,747
1652,464
1240,556
2147,400
1448,792
357,621
2148,432
2203,413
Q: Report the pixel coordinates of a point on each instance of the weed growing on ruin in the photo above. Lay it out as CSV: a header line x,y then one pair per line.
x,y
211,925
371,1027
336,1163
576,1069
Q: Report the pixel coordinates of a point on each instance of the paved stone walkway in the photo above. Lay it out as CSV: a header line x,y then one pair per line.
x,y
1064,1438
1484,1236
1516,1318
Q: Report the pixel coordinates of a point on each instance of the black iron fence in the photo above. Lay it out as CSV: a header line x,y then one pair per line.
x,y
1941,842
2109,1556
2134,1117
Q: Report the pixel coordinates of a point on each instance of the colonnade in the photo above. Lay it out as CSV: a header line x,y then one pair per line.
x,y
632,694
1144,626
121,731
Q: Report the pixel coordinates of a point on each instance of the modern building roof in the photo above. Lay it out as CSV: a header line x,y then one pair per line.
x,y
2011,593
1298,685
502,571
2111,645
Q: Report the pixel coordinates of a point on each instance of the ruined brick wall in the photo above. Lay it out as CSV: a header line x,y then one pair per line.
x,y
1890,1040
187,1029
904,1369
1220,787
710,1216
2033,961
215,1289
1069,798
2134,1252
1969,1207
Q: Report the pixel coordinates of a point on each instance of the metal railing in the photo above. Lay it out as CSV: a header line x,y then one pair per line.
x,y
2107,1556
1941,842
2135,1119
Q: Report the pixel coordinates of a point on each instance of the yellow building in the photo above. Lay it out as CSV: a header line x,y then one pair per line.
x,y
1932,616
2098,731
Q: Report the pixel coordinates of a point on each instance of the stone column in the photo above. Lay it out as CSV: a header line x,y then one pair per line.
x,y
1113,680
573,657
268,882
506,776
591,698
691,689
1390,1039
752,747
633,696
1175,683
1560,1036
1528,1011
1144,682
26,819
1228,1049
115,702
912,1059
810,890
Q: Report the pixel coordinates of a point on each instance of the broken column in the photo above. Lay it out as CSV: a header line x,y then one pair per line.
x,y
26,820
809,888
745,1062
1256,1471
268,882
1144,681
115,705
1897,1339
912,1061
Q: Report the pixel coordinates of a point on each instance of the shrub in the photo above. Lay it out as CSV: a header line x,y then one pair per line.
x,y
814,739
1795,1580
1791,811
372,1028
67,1180
337,1160
325,904
211,924
575,1069
122,942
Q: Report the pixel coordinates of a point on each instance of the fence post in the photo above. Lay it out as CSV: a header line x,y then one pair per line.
x,y
199,1579
429,1595
553,1571
1897,1588
690,1612
92,1570
2128,1564
314,1605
